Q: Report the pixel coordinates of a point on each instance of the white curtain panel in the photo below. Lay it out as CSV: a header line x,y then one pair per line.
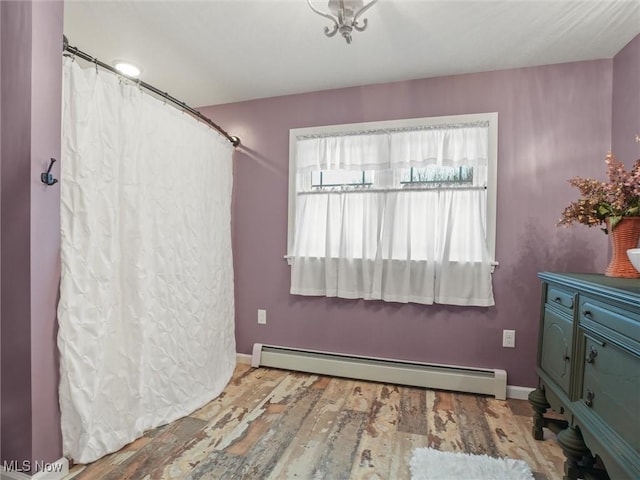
x,y
423,246
146,310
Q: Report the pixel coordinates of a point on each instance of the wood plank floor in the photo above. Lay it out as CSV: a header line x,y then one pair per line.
x,y
274,424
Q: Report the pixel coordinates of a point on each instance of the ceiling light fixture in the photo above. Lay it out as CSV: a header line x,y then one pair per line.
x,y
126,68
344,15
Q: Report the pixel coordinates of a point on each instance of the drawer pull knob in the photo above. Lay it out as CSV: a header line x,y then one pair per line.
x,y
587,314
593,353
590,396
557,300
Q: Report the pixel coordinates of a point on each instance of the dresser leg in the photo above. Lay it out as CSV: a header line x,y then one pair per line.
x,y
579,461
575,450
538,401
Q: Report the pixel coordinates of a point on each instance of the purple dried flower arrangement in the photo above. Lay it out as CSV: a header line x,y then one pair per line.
x,y
613,200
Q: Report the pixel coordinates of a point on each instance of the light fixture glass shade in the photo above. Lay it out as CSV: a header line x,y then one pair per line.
x,y
348,6
126,68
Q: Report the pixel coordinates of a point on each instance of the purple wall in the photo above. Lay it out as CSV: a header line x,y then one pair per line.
x,y
31,99
46,98
626,103
0,233
554,123
15,253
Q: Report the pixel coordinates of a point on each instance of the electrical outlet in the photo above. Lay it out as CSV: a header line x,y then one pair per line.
x,y
509,338
262,317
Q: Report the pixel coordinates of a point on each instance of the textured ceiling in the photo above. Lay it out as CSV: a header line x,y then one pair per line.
x,y
217,51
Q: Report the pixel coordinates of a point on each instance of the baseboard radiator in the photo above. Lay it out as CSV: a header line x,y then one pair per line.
x,y
401,372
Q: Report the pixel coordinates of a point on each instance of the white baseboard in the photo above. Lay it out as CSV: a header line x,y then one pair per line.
x,y
56,471
10,475
48,471
243,358
518,393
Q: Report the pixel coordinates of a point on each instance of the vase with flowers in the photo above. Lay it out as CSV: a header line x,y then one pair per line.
x,y
613,205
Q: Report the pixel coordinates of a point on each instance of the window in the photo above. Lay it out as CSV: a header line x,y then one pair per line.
x,y
399,211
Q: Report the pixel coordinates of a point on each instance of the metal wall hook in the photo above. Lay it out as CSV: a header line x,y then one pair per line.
x,y
47,177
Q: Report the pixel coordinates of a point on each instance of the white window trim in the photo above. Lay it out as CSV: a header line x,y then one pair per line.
x,y
492,169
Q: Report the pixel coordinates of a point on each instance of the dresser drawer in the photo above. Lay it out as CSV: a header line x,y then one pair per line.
x,y
555,354
624,322
561,299
611,387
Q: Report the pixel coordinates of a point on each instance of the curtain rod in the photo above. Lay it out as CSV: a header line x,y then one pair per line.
x,y
388,130
74,51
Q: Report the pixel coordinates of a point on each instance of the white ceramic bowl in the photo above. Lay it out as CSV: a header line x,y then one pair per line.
x,y
634,256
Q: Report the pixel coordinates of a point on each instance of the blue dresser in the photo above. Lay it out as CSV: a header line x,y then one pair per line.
x,y
589,371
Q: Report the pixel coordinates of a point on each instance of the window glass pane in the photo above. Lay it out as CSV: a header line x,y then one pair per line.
x,y
332,178
437,174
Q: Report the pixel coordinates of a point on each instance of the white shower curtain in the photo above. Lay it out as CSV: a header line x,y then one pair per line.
x,y
146,311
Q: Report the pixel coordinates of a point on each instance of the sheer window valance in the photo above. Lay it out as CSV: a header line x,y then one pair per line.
x,y
382,150
343,152
443,147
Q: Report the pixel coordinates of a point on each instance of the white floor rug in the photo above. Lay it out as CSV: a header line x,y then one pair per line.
x,y
429,464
